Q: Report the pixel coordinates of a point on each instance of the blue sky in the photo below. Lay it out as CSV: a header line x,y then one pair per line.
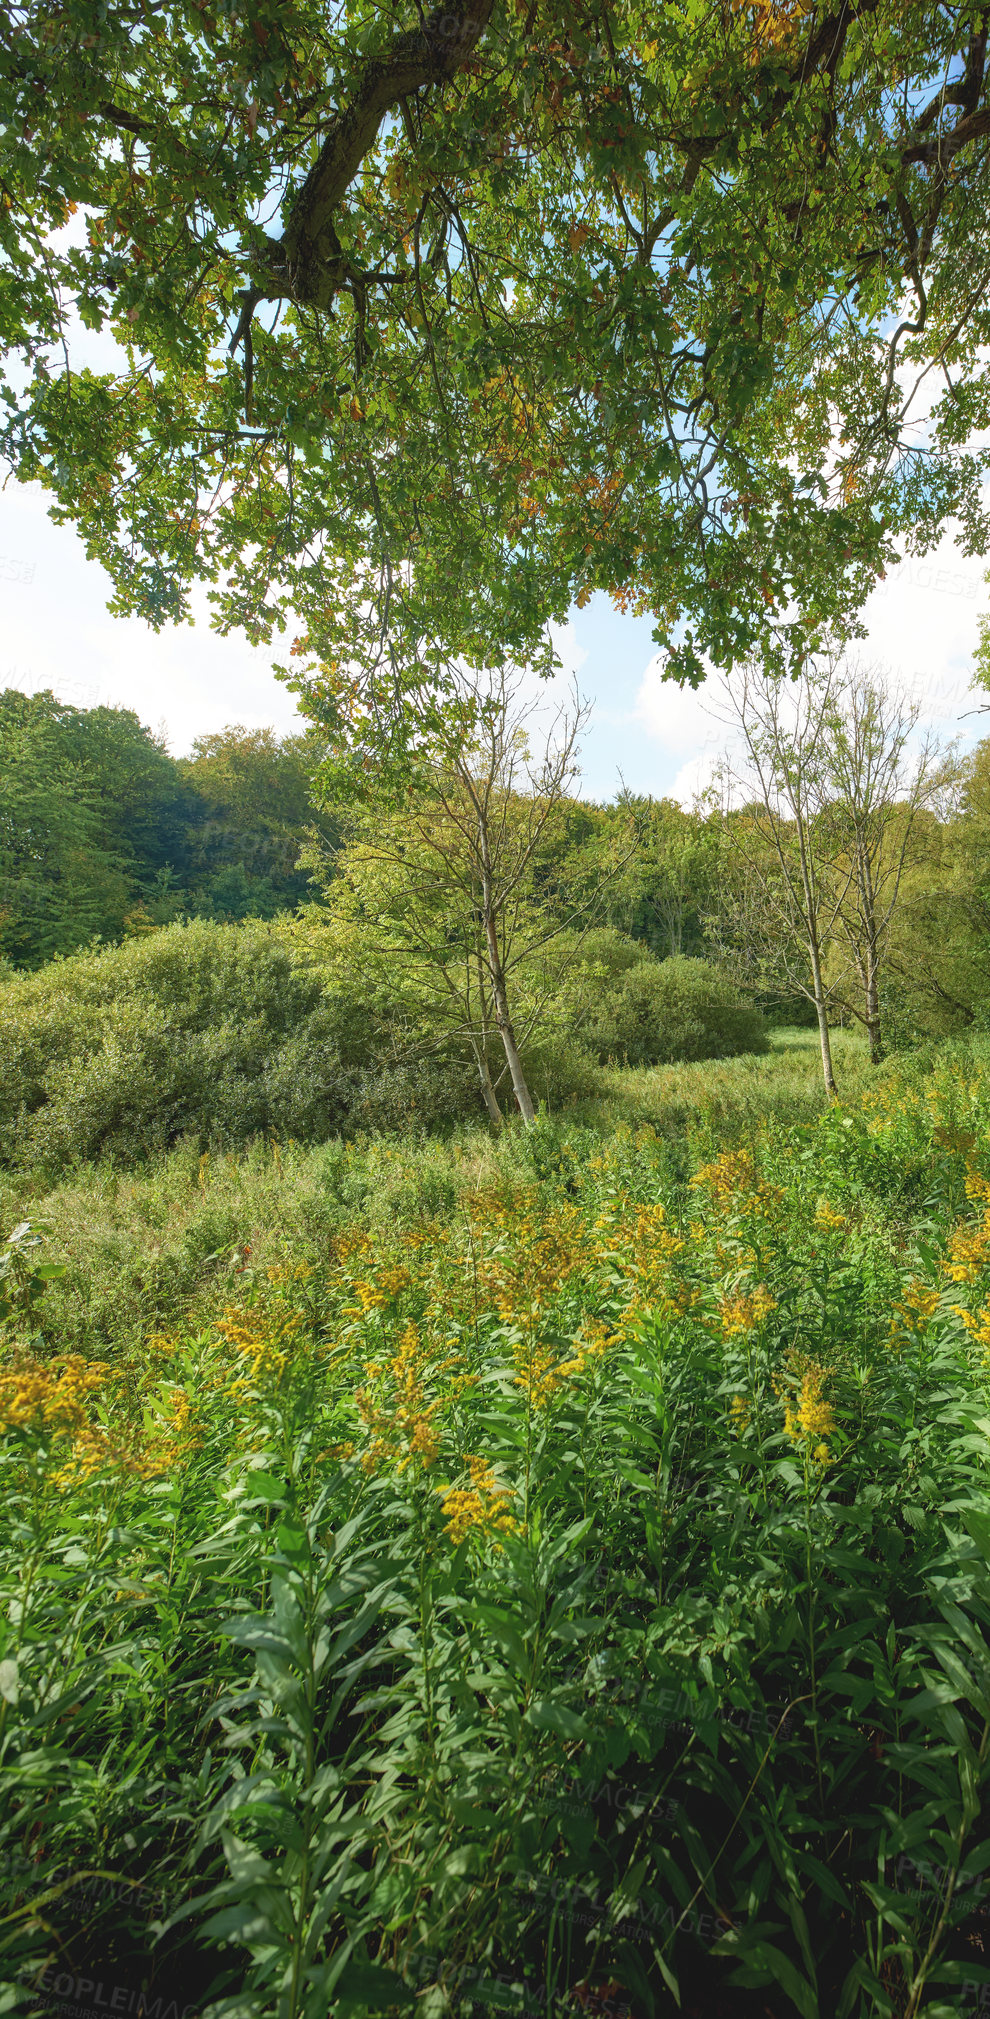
x,y
55,632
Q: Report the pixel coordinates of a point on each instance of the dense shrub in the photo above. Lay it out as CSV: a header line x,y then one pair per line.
x,y
223,1032
659,1012
207,1029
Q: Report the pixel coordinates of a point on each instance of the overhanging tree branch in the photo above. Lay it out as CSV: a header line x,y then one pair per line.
x,y
308,264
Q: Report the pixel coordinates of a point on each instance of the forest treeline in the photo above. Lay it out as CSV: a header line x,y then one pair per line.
x,y
103,834
105,837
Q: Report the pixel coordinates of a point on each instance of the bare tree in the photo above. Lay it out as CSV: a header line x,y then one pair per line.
x,y
449,872
783,908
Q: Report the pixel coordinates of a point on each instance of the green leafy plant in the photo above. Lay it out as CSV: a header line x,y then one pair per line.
x,y
23,1281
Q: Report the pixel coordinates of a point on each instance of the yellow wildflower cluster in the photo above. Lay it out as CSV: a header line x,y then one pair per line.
x,y
638,1244
977,1324
735,1186
52,1398
665,1307
399,1419
745,1311
353,1241
542,1377
740,1411
532,1256
484,1506
653,1248
539,1375
178,1435
281,1274
50,1395
266,1344
427,1234
162,1342
808,1418
969,1251
92,1450
374,1292
828,1220
591,1344
918,1305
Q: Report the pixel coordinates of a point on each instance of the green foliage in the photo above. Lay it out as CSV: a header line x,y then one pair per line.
x,y
668,884
681,1008
200,1027
103,834
66,861
226,1032
156,1243
346,417
941,938
584,1585
23,1281
250,811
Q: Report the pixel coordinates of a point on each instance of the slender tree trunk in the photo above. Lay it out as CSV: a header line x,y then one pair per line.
x,y
505,1030
487,1090
479,1043
815,954
500,999
818,985
873,1008
871,956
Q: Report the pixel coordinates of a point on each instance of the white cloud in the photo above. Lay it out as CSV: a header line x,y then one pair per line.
x,y
693,779
570,652
56,632
922,628
682,723
923,624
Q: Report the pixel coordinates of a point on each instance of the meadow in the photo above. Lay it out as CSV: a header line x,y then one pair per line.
x,y
544,1574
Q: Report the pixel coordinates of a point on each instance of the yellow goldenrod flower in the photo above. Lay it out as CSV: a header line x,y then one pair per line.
x,y
969,1252
539,1376
809,1419
828,1219
918,1305
745,1311
50,1395
734,1185
977,1324
398,1417
484,1506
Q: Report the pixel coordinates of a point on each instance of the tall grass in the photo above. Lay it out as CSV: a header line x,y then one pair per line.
x,y
148,1246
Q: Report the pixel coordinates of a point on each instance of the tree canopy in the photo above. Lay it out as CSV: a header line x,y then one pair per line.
x,y
104,834
430,323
